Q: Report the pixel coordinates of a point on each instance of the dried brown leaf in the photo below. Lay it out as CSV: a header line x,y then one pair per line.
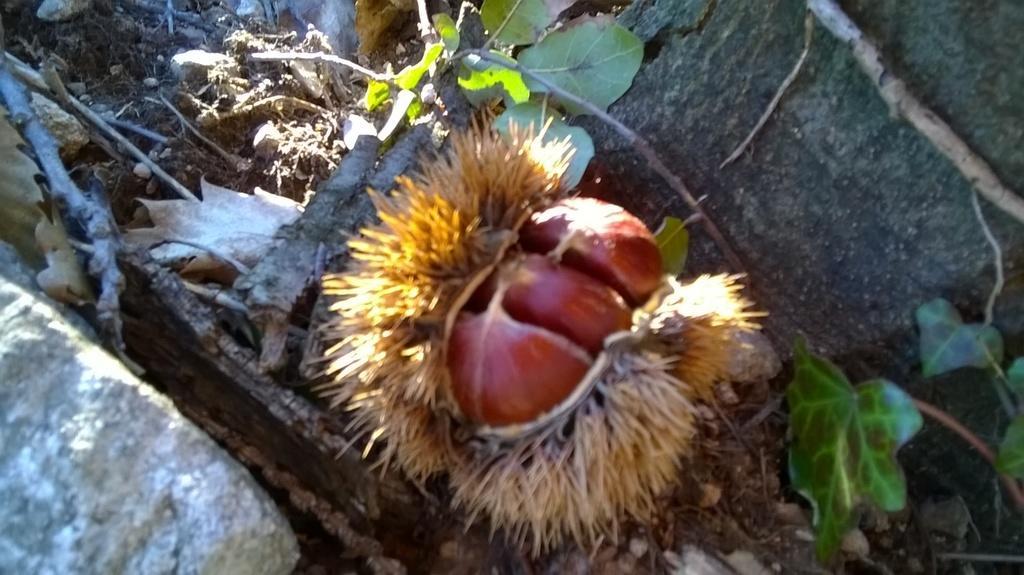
x,y
226,227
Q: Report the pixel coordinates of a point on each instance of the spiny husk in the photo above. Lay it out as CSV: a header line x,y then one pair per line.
x,y
622,446
578,476
437,232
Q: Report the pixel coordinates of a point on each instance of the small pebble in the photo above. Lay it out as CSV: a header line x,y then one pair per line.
x,y
142,171
949,517
428,94
803,535
638,547
745,563
791,514
449,549
710,495
116,70
150,82
855,543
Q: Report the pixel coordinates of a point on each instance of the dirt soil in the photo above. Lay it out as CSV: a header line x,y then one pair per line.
x,y
732,496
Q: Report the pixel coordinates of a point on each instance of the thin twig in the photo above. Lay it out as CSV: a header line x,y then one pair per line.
x,y
997,253
187,17
216,296
242,268
981,557
426,29
895,93
275,102
808,34
169,12
1013,489
94,217
145,133
237,163
52,83
643,147
501,27
275,56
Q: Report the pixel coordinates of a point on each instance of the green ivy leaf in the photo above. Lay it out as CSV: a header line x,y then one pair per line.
x,y
527,21
531,114
482,81
377,93
410,76
1015,377
947,343
595,61
844,444
673,243
1011,452
448,31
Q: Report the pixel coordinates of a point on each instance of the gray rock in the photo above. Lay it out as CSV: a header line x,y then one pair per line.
x,y
70,134
13,269
196,65
100,474
754,360
60,10
847,218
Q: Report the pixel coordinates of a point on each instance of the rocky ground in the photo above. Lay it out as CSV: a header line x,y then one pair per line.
x,y
182,87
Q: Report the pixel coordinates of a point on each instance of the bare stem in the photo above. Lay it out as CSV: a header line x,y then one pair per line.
x,y
982,557
318,57
808,34
997,253
426,29
895,93
642,146
501,27
1013,488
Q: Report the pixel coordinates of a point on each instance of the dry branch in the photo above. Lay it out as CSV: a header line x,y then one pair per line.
x,y
95,218
895,93
51,83
237,163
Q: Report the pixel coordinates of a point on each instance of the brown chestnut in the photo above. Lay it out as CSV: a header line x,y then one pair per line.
x,y
599,239
506,372
540,292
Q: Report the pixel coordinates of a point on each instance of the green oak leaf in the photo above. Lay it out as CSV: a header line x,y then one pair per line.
x,y
410,76
377,93
844,444
673,243
595,61
526,19
1015,377
1011,451
482,81
530,114
448,31
947,343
